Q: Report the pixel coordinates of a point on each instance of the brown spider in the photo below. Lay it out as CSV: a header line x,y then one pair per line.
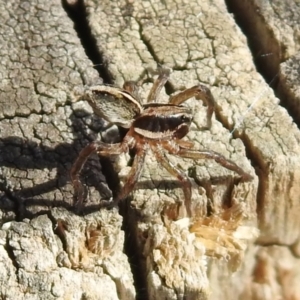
x,y
155,126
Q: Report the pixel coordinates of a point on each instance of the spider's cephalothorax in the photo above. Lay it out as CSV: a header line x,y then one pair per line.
x,y
155,126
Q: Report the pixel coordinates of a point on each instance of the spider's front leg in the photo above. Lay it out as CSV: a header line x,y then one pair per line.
x,y
159,83
200,92
132,87
98,147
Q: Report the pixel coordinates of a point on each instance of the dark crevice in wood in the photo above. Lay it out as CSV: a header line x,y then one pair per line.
x,y
10,252
147,43
267,56
133,249
78,14
285,94
168,86
111,175
252,155
267,52
261,171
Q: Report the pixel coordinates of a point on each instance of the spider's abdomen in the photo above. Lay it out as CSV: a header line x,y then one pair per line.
x,y
163,122
114,105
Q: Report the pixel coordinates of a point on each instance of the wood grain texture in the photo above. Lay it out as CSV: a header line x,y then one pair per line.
x,y
46,253
49,250
272,28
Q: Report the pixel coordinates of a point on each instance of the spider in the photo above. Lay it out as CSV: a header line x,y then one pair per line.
x,y
155,126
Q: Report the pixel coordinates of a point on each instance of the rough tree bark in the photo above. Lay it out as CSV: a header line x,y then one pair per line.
x,y
243,241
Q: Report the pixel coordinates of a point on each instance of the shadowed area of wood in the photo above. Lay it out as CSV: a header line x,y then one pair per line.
x,y
242,242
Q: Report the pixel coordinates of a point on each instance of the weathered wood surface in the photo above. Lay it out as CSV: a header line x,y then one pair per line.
x,y
49,251
273,33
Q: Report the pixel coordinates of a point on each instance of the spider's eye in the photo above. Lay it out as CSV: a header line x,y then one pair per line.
x,y
186,119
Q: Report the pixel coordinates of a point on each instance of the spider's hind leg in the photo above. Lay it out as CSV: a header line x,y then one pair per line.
x,y
173,170
132,177
218,158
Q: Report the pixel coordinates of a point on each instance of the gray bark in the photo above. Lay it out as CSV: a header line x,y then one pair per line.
x,y
50,250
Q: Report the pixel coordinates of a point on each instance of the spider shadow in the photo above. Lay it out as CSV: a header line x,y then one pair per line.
x,y
209,185
18,155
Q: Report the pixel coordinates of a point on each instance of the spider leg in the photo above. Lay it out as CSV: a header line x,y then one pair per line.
x,y
133,175
85,153
173,170
220,159
133,88
159,83
200,92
